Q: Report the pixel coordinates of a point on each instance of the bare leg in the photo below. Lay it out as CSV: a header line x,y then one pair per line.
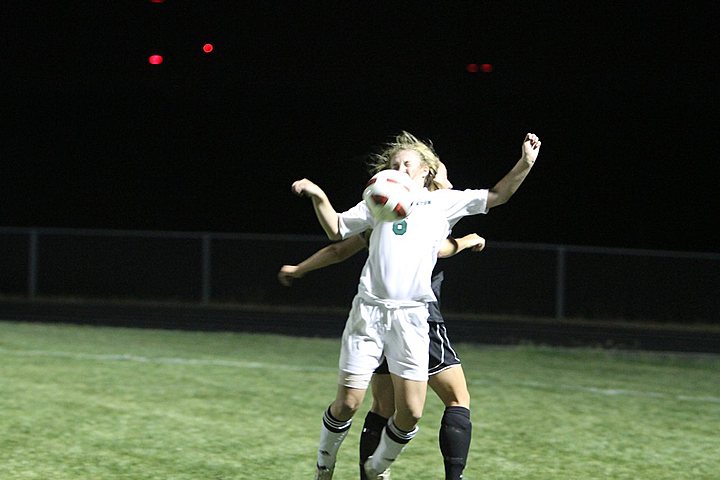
x,y
409,402
383,395
347,401
451,387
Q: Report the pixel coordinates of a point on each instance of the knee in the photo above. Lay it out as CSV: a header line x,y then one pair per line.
x,y
345,408
407,419
415,416
452,395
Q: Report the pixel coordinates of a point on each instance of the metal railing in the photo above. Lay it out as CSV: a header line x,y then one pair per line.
x,y
517,279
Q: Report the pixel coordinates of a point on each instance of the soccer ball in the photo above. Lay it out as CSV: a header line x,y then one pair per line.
x,y
390,195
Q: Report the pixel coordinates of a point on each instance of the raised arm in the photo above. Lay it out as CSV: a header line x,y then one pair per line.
x,y
326,214
508,185
329,255
452,246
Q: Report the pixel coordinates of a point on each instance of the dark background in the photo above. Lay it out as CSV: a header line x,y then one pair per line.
x,y
622,94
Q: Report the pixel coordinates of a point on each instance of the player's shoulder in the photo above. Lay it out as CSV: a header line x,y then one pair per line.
x,y
453,193
451,198
444,194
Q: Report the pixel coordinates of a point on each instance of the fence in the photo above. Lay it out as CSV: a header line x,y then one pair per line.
x,y
514,279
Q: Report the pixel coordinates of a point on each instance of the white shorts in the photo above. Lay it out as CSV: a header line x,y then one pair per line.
x,y
373,331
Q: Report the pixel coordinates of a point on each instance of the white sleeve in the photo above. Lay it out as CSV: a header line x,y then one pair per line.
x,y
458,204
356,220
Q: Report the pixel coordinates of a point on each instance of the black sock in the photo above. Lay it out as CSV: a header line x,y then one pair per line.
x,y
455,435
370,437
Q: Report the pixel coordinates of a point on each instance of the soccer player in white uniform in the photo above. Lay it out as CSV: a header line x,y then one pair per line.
x,y
389,313
446,375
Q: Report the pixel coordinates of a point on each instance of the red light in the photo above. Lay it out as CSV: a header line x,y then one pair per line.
x,y
157,1
155,59
208,47
479,67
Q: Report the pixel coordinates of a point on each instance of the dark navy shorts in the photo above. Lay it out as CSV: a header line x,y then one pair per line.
x,y
442,355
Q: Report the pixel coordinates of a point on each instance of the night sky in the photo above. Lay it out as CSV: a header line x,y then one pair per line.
x,y
624,96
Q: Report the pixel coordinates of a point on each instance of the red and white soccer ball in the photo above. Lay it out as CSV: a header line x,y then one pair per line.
x,y
390,195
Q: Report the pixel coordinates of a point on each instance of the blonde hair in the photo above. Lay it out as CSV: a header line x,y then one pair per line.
x,y
407,141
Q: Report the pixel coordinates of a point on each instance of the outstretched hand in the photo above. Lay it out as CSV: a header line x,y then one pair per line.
x,y
287,274
306,187
326,214
475,242
531,148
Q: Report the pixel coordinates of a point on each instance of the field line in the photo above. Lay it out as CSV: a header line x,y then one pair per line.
x,y
124,357
622,391
95,357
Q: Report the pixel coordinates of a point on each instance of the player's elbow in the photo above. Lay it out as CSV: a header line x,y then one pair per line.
x,y
498,197
332,227
449,248
334,236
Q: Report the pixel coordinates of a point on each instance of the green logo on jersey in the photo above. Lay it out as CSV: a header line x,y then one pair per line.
x,y
399,228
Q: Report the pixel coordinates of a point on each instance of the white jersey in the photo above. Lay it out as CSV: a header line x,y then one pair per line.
x,y
402,255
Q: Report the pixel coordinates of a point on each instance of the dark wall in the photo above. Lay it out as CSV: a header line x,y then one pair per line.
x,y
521,280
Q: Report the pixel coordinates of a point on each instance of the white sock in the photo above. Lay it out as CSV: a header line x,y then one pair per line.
x,y
332,434
392,442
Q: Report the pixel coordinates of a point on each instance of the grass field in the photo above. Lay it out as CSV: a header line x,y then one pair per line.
x,y
107,403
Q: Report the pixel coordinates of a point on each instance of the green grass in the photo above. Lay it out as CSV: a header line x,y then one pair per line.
x,y
80,402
